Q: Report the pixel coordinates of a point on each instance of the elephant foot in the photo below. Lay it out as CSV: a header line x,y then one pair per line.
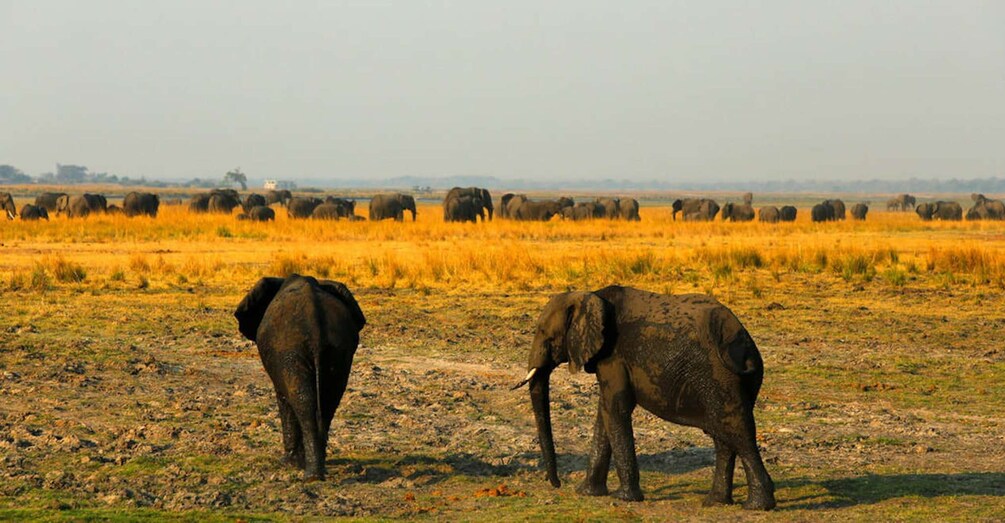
x,y
292,461
759,501
628,494
717,498
588,488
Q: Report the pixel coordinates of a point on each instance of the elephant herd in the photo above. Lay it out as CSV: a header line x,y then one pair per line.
x,y
685,358
80,206
705,210
520,207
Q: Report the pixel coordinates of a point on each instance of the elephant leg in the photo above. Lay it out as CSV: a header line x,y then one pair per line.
x,y
760,488
618,402
595,483
293,443
304,403
722,479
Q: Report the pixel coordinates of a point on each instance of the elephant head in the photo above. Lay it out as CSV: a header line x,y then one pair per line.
x,y
925,211
407,204
7,202
577,328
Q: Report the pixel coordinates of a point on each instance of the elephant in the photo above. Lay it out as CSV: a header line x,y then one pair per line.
x,y
464,209
223,201
7,203
906,201
199,203
748,198
301,207
31,213
253,200
610,206
822,212
985,209
584,211
510,203
769,214
542,211
628,209
48,200
307,332
391,206
787,213
344,207
261,213
137,203
685,358
737,212
858,211
327,211
695,209
114,210
81,206
947,211
924,210
477,194
281,197
838,209
893,204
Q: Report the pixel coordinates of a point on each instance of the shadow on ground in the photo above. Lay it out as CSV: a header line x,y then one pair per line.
x,y
872,488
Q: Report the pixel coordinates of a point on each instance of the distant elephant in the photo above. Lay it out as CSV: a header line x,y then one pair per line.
x,y
541,211
510,203
344,207
858,211
838,209
477,194
695,209
302,207
464,209
48,200
307,332
261,213
947,211
748,198
326,211
737,212
985,209
253,200
610,206
907,201
893,204
7,203
82,205
925,210
769,214
685,358
391,206
141,203
281,197
822,212
628,209
199,203
114,210
31,213
223,201
787,213
584,211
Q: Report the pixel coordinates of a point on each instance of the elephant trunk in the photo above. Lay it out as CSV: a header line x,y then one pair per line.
x,y
542,414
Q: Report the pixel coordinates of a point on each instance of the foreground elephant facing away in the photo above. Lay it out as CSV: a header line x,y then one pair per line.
x,y
858,211
33,213
141,203
307,332
7,204
685,358
391,207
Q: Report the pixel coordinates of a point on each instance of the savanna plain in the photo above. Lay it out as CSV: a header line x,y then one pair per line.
x,y
126,391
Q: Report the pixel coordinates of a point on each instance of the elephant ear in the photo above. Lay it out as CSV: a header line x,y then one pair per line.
x,y
590,332
252,308
339,290
732,342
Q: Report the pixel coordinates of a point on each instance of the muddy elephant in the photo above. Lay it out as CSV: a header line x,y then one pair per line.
x,y
858,211
307,332
986,209
464,209
391,206
542,211
82,205
695,209
31,213
7,204
685,358
282,197
301,207
49,200
141,203
787,213
769,214
253,200
478,195
737,212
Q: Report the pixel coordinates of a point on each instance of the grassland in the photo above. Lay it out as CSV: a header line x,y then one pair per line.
x,y
126,391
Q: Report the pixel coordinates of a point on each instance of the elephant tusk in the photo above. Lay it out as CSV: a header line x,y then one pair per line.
x,y
525,380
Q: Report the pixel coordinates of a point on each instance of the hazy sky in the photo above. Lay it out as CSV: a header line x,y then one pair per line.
x,y
566,89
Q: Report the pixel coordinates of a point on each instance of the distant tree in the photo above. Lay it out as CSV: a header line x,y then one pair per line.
x,y
11,174
236,176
